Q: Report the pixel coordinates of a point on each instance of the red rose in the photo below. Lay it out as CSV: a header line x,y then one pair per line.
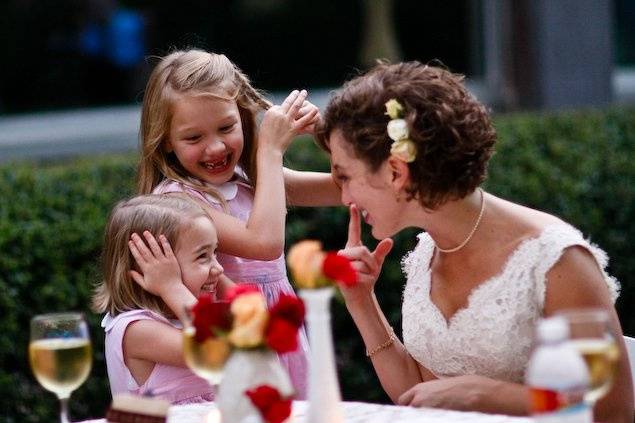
x,y
339,269
281,336
210,317
240,289
272,407
289,308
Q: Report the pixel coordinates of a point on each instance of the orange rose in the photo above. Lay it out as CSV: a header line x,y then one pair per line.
x,y
250,320
305,262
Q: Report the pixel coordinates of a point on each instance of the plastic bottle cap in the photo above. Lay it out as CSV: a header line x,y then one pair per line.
x,y
553,329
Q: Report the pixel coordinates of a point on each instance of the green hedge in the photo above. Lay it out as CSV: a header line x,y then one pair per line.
x,y
576,165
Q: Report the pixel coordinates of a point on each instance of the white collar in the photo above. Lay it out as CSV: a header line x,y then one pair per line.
x,y
228,190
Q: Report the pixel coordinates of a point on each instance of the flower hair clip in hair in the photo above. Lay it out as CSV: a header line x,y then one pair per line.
x,y
402,147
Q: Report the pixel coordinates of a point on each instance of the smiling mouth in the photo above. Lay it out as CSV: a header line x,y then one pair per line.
x,y
218,164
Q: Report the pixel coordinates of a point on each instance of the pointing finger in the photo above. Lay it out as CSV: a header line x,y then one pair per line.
x,y
354,228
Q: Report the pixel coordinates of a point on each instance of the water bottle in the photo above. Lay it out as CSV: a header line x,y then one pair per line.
x,y
557,376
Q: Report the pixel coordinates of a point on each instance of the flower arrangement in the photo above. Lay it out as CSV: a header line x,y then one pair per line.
x,y
245,326
249,324
273,407
311,267
402,147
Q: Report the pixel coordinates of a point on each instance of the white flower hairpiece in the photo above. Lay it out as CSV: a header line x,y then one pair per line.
x,y
402,147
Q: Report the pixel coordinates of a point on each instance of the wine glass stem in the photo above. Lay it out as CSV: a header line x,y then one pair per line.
x,y
64,410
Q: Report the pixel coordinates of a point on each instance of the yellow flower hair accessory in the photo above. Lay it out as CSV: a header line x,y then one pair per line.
x,y
402,147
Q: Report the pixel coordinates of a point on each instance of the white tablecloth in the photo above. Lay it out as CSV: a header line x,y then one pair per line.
x,y
359,412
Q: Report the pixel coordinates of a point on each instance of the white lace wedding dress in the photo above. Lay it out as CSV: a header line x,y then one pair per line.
x,y
492,336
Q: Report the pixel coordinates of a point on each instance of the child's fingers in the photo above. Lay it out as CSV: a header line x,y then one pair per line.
x,y
167,248
286,104
306,119
138,250
297,103
152,242
137,277
307,106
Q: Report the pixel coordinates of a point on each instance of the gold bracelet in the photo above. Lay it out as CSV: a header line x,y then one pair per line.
x,y
391,339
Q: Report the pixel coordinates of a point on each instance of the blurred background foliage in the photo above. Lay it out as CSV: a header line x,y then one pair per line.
x,y
577,165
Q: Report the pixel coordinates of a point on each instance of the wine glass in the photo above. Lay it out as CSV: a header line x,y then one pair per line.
x,y
591,335
60,354
207,357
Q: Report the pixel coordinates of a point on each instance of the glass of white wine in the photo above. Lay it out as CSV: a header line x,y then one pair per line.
x,y
207,357
60,354
591,335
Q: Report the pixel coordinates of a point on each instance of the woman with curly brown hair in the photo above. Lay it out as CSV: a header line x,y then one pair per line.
x,y
409,146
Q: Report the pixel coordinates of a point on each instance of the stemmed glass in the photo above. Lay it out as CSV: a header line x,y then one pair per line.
x,y
60,354
206,357
591,335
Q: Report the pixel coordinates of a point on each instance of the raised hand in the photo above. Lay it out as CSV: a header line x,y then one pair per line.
x,y
281,123
308,108
160,270
367,263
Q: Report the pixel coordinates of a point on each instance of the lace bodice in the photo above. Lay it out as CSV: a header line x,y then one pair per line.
x,y
492,335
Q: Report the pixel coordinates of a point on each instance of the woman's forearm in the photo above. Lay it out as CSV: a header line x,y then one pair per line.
x,y
396,369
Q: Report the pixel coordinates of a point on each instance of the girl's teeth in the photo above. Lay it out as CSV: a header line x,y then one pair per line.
x,y
216,164
364,214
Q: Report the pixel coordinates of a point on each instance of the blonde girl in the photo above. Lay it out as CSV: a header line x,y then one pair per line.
x,y
145,289
199,136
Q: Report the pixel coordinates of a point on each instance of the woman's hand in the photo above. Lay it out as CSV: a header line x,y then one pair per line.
x,y
469,393
160,271
367,263
453,393
281,123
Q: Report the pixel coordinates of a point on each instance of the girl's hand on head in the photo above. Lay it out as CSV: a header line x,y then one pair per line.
x,y
160,271
367,263
281,123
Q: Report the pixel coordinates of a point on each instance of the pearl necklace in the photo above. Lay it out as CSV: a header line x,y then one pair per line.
x,y
469,236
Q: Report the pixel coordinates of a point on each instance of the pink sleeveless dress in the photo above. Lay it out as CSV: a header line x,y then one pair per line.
x,y
269,276
178,385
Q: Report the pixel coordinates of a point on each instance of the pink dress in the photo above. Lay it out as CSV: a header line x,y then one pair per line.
x,y
269,276
177,385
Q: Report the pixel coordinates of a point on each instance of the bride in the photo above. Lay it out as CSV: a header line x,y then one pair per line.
x,y
409,146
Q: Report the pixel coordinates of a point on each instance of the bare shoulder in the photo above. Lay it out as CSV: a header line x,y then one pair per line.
x,y
576,280
146,332
520,222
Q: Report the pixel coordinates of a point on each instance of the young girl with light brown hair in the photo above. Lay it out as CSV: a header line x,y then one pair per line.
x,y
199,135
146,288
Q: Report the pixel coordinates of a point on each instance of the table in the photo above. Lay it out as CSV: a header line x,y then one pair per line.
x,y
356,412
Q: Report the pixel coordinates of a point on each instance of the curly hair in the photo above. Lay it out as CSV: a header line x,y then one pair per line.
x,y
452,131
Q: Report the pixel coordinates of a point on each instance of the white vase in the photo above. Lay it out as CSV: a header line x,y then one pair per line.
x,y
324,390
247,369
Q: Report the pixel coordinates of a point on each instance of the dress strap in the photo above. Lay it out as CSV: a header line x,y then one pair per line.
x,y
552,243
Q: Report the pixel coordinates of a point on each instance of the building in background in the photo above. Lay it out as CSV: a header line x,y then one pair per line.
x,y
526,53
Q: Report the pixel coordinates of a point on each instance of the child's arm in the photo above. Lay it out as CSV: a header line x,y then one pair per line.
x,y
311,189
262,236
147,342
